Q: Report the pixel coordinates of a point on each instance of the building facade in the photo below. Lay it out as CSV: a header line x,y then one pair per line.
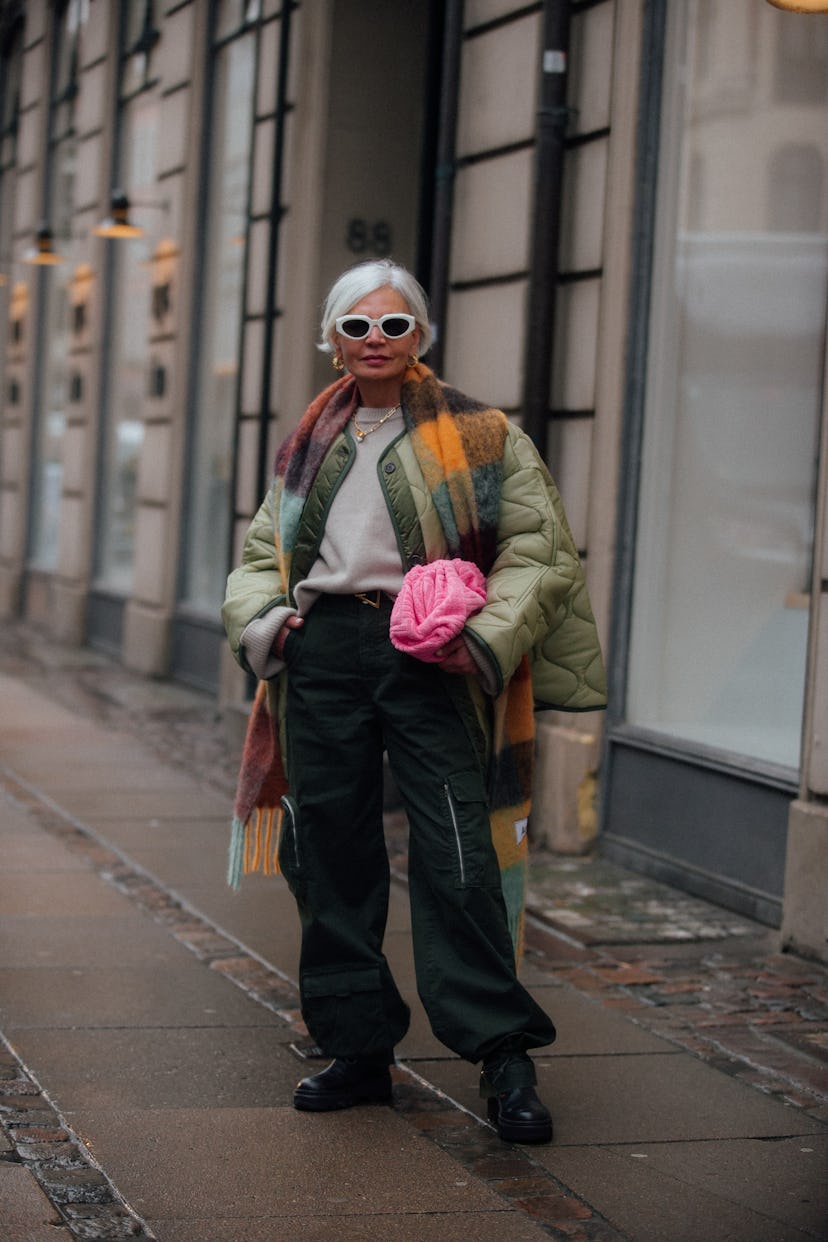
x,y
619,209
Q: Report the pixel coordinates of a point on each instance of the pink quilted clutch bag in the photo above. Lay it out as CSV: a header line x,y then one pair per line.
x,y
434,604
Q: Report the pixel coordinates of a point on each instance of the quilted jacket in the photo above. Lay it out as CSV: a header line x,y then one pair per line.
x,y
537,602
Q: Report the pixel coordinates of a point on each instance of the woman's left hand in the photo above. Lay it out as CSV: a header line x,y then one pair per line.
x,y
454,657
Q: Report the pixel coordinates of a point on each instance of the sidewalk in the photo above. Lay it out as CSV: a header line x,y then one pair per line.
x,y
148,1015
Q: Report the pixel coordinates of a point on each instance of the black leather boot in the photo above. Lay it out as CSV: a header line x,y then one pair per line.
x,y
507,1081
520,1117
346,1081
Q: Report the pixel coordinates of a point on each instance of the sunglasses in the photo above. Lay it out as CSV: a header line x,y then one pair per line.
x,y
357,327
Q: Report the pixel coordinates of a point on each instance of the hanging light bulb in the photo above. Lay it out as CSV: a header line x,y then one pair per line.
x,y
43,253
117,224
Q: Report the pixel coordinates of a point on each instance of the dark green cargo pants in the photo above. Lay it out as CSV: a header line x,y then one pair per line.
x,y
351,695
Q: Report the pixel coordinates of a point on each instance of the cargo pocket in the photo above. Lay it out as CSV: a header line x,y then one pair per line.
x,y
468,818
344,1009
290,848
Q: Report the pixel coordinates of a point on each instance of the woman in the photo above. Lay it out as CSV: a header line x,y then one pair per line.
x,y
389,469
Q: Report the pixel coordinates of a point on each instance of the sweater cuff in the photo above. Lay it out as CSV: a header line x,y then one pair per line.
x,y
258,638
486,673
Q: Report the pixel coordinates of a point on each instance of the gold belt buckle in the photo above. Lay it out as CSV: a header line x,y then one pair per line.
x,y
371,598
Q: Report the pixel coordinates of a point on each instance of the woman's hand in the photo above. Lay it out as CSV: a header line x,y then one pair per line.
x,y
454,657
292,623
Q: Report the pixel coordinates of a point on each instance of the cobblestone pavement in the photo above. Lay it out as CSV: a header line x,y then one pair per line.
x,y
710,981
693,973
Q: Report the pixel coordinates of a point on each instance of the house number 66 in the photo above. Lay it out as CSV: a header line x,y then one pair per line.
x,y
364,237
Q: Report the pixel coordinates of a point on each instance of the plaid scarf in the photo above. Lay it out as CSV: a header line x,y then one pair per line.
x,y
459,445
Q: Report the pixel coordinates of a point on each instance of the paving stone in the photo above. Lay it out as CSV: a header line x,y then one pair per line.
x,y
166,994
83,940
586,1028
716,1191
97,806
811,1043
372,1227
32,850
169,1068
190,853
77,773
102,1223
26,1102
555,1208
12,1087
76,1185
340,1164
58,1155
51,894
26,1215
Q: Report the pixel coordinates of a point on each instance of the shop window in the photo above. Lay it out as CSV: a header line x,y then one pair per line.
x,y
210,501
130,318
733,392
52,387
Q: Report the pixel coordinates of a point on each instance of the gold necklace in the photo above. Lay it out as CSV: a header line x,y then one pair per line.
x,y
362,432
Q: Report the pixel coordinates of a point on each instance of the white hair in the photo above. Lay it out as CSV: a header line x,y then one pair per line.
x,y
357,282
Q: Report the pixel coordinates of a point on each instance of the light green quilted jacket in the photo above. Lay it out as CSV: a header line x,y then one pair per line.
x,y
537,602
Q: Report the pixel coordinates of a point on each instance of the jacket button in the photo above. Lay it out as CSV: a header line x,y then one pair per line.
x,y
389,467
415,559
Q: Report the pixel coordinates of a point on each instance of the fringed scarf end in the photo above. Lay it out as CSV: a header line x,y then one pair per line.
x,y
513,881
254,845
235,861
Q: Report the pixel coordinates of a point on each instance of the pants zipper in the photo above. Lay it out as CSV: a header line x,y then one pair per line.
x,y
288,807
456,827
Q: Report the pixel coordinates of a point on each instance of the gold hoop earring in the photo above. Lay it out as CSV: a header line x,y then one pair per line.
x,y
338,363
413,360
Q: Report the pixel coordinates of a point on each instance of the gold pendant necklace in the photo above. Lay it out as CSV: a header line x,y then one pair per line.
x,y
362,432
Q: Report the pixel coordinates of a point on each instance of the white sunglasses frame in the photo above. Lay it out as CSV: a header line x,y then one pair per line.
x,y
377,323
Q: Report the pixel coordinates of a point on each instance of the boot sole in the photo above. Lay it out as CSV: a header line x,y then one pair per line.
x,y
328,1102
